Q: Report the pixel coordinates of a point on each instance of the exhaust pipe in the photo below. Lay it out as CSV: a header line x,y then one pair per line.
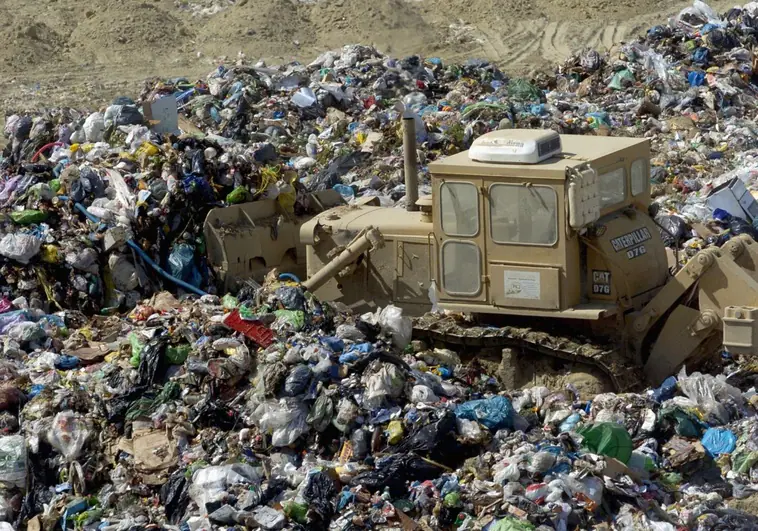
x,y
411,163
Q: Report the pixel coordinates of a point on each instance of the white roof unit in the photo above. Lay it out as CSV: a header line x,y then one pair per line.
x,y
516,146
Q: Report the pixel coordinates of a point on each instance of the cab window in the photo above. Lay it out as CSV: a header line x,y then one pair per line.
x,y
640,179
523,214
459,204
461,264
612,187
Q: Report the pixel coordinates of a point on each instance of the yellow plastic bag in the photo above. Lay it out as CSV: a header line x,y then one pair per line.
x,y
287,194
50,254
394,432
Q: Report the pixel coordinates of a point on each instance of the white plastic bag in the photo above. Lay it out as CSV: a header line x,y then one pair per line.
x,y
708,392
13,461
68,434
20,247
382,385
285,419
424,395
507,474
123,272
392,321
94,126
210,483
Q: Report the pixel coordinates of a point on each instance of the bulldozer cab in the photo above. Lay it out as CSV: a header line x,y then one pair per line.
x,y
532,222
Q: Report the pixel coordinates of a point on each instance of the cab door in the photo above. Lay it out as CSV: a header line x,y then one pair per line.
x,y
460,238
525,253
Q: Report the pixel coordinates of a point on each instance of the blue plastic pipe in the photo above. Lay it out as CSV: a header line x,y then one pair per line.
x,y
142,254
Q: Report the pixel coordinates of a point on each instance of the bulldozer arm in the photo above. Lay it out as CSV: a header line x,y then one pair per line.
x,y
712,301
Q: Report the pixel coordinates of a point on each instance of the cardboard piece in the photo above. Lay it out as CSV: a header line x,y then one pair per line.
x,y
163,115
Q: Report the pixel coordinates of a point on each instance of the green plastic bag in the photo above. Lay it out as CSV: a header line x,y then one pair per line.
x,y
297,512
28,217
686,425
609,439
229,301
176,355
295,319
236,196
137,347
743,460
510,523
521,89
620,78
55,185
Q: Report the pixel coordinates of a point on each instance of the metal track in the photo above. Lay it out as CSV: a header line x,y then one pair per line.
x,y
624,373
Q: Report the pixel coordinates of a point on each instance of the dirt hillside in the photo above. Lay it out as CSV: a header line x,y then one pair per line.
x,y
63,51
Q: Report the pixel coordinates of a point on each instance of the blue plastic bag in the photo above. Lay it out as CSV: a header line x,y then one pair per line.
x,y
495,413
700,56
334,344
666,390
570,423
182,264
696,79
717,441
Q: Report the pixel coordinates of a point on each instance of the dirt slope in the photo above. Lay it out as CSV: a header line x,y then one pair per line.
x,y
64,51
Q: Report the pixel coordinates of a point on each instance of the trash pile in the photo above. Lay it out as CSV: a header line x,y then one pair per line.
x,y
276,411
136,395
102,209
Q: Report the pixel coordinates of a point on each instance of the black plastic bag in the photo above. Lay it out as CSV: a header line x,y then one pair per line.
x,y
395,471
217,414
150,360
292,298
175,496
129,115
673,230
340,166
431,438
740,226
361,441
297,381
319,494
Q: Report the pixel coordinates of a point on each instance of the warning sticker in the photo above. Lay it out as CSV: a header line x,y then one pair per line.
x,y
522,284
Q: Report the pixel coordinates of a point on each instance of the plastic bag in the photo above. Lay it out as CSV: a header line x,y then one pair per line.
x,y
541,462
383,385
321,413
182,264
297,381
393,322
708,392
210,483
507,474
717,441
608,439
174,496
495,413
319,493
94,126
424,395
123,273
361,443
511,523
673,229
589,487
20,247
284,419
395,432
68,434
13,461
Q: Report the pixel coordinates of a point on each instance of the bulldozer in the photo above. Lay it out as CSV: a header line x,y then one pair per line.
x,y
540,245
